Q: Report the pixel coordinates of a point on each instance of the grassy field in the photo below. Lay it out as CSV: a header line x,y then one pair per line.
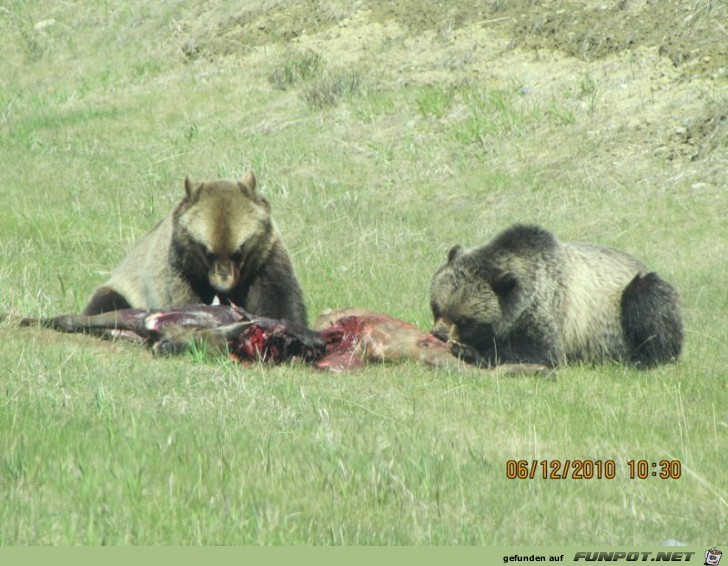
x,y
382,134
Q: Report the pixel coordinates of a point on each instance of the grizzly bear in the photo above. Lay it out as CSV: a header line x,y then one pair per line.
x,y
526,297
219,242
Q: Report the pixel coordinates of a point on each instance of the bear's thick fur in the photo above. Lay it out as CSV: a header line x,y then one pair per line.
x,y
220,241
526,297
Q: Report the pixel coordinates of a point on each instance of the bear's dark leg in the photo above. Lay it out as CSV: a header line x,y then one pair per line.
x,y
525,348
105,299
651,321
533,339
515,349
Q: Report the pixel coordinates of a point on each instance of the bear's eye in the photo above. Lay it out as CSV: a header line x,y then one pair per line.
x,y
209,256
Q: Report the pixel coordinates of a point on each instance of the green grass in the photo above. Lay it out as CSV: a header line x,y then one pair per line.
x,y
296,68
321,87
102,443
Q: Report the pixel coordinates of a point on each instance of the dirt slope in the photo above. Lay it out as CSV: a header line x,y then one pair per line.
x,y
651,77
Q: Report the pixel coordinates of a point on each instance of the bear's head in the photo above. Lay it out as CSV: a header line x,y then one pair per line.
x,y
472,300
222,229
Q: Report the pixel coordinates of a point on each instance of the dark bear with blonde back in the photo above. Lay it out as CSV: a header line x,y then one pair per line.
x,y
526,297
220,241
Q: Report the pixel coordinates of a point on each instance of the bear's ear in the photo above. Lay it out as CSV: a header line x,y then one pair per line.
x,y
503,283
249,181
192,189
454,253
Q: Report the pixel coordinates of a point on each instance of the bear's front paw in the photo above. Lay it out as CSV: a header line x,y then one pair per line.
x,y
466,353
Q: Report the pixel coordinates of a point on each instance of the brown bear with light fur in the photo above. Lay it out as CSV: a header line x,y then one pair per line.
x,y
220,241
527,297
